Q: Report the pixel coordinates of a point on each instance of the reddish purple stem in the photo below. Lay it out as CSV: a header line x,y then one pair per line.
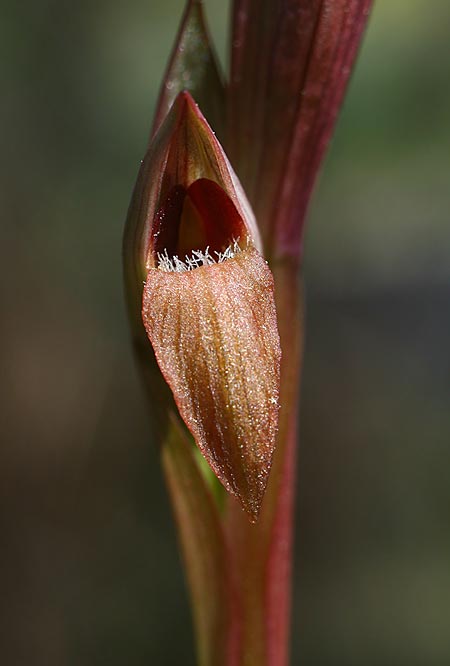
x,y
291,62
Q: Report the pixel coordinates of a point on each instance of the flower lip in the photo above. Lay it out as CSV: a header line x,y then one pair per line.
x,y
200,218
214,333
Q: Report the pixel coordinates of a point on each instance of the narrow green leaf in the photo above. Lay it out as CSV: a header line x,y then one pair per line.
x,y
205,553
193,66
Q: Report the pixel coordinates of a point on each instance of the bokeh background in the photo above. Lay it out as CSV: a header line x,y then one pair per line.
x,y
89,570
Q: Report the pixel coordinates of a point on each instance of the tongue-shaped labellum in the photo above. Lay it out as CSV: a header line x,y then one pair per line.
x,y
208,309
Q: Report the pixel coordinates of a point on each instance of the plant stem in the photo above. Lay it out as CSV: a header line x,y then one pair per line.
x,y
262,552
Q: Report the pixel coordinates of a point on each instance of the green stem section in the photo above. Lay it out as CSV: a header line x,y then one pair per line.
x,y
204,551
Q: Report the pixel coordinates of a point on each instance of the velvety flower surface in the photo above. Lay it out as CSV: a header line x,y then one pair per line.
x,y
215,337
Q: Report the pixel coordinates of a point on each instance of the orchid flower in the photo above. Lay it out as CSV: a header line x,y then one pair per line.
x,y
212,255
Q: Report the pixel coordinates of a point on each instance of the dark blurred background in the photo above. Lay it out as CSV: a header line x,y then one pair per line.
x,y
89,570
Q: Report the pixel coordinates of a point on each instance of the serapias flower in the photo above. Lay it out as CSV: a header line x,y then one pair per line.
x,y
199,288
207,302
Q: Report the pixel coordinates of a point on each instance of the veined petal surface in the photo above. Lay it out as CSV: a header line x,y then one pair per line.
x,y
215,337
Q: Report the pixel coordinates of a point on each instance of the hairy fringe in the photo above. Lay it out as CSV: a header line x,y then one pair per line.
x,y
197,259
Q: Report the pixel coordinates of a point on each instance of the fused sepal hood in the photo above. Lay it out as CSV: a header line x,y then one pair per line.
x,y
183,150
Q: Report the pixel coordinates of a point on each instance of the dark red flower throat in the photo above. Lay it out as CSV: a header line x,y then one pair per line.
x,y
195,218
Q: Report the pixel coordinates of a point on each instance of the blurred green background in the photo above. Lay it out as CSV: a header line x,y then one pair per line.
x,y
89,570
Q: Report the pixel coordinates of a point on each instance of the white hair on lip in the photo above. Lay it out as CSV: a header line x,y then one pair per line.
x,y
197,259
